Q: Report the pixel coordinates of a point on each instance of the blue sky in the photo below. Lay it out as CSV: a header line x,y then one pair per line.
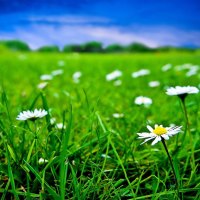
x,y
152,22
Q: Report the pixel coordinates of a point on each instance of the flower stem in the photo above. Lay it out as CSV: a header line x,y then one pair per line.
x,y
171,163
188,129
36,153
186,118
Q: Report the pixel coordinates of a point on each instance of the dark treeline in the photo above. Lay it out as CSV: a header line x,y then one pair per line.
x,y
91,47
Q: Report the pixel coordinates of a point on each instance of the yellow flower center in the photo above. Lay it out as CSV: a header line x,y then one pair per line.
x,y
160,130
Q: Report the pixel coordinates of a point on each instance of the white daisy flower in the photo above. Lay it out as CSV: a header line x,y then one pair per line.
x,y
193,70
154,83
141,72
118,115
53,120
42,161
57,72
76,76
42,85
183,67
143,100
31,115
61,63
191,73
158,133
117,83
46,77
187,66
182,90
166,67
113,75
105,156
60,126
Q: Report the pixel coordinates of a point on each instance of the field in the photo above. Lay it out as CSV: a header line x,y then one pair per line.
x,y
80,150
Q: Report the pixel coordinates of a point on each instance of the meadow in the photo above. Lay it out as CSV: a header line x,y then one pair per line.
x,y
87,146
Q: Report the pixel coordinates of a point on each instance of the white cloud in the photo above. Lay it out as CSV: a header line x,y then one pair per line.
x,y
79,30
67,19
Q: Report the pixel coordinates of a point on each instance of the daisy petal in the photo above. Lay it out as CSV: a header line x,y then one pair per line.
x,y
158,138
145,135
165,136
150,128
147,140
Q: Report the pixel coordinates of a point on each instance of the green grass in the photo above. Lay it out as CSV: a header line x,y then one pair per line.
x,y
95,156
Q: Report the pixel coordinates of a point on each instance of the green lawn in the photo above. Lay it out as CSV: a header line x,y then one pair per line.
x,y
96,156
